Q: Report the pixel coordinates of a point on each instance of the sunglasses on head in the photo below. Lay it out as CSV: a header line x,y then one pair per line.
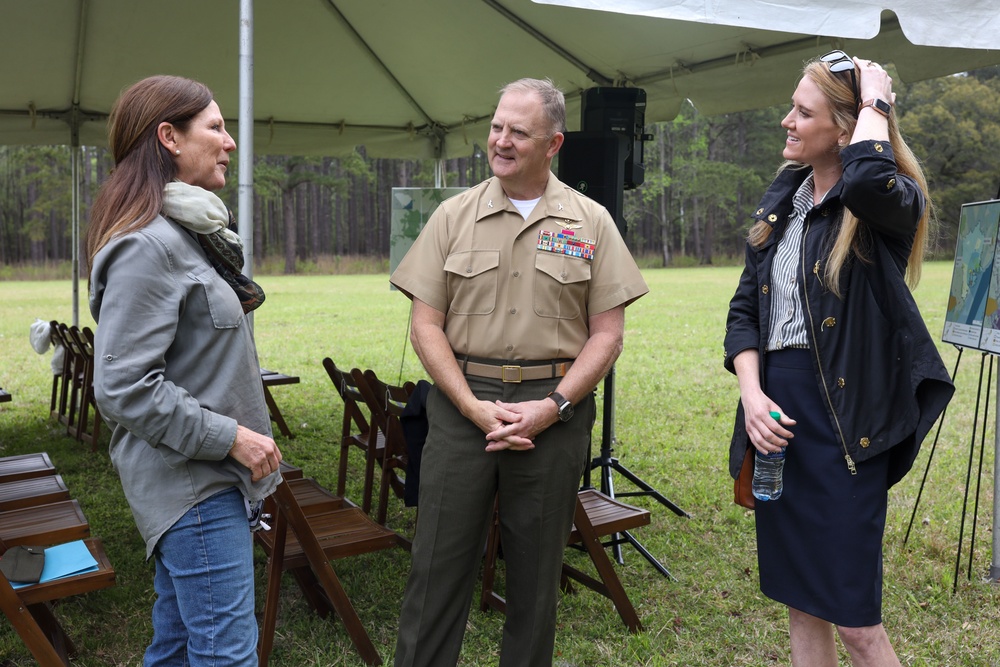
x,y
838,61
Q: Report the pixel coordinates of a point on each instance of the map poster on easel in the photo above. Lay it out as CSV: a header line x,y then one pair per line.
x,y
409,212
973,316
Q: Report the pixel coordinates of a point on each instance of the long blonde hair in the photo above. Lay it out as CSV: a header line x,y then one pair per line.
x,y
850,240
132,195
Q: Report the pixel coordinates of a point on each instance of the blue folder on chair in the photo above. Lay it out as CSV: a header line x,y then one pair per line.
x,y
65,560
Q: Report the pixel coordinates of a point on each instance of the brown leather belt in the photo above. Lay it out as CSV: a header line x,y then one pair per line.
x,y
514,373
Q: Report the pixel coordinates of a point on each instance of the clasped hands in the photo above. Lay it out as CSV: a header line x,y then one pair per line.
x,y
515,425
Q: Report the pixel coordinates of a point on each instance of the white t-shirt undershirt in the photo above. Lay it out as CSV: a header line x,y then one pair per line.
x,y
525,206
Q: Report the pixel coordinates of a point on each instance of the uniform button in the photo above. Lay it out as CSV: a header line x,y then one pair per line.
x,y
510,347
841,382
517,273
759,211
764,289
468,269
865,442
513,311
790,311
563,274
891,184
829,322
824,212
772,218
878,148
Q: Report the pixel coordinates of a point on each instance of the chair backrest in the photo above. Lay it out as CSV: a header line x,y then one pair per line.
x,y
83,424
387,402
355,425
385,399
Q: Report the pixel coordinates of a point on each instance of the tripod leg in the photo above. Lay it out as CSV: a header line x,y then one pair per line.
x,y
648,556
647,490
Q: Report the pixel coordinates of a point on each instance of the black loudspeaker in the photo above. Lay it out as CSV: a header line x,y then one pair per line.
x,y
594,164
621,111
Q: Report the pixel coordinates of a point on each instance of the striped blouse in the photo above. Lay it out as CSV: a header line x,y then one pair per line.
x,y
788,321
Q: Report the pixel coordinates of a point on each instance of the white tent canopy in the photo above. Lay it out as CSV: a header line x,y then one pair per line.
x,y
419,78
949,23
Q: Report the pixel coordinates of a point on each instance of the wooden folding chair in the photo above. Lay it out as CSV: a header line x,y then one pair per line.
x,y
64,382
385,403
52,523
25,466
34,491
299,539
597,515
58,379
29,609
355,431
83,403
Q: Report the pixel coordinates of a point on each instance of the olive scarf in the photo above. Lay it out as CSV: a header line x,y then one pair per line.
x,y
206,215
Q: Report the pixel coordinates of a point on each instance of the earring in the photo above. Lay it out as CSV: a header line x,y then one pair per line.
x,y
177,152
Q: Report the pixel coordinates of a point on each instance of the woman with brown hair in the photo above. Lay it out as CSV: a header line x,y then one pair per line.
x,y
176,372
823,332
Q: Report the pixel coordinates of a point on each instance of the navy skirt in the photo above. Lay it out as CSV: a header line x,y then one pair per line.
x,y
819,546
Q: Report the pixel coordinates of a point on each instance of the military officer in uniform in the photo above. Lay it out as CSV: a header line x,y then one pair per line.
x,y
519,287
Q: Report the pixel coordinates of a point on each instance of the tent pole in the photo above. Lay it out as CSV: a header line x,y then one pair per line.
x,y
74,160
245,192
439,173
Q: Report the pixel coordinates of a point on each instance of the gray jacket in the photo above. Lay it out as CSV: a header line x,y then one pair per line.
x,y
175,371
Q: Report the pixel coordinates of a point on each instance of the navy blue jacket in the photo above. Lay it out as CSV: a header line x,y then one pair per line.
x,y
881,377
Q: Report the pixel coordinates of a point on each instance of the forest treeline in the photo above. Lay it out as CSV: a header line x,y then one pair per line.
x,y
703,178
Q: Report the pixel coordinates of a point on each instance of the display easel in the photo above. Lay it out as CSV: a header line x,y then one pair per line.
x,y
980,404
964,334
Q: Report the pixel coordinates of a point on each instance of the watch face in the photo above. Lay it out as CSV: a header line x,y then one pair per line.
x,y
883,106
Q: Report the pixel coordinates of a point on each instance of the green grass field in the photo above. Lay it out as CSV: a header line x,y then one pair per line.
x,y
674,408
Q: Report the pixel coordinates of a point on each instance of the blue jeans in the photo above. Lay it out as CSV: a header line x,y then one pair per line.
x,y
204,611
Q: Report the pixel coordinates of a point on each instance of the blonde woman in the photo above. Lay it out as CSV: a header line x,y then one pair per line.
x,y
824,332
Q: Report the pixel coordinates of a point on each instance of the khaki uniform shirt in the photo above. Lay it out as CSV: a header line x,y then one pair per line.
x,y
516,289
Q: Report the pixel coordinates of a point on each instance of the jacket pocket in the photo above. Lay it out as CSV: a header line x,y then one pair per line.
x,y
223,304
472,281
561,284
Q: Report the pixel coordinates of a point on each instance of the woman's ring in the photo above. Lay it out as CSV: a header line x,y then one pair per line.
x,y
871,64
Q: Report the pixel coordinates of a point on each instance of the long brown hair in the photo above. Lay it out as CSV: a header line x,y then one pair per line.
x,y
132,195
851,239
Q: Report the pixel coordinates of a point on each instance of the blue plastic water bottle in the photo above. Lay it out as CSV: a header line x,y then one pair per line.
x,y
767,469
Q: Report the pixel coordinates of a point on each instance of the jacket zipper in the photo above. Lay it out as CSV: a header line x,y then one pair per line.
x,y
815,344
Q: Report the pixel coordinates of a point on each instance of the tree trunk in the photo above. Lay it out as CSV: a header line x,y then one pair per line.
x,y
288,211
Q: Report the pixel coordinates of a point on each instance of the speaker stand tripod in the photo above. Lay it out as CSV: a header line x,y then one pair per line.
x,y
607,464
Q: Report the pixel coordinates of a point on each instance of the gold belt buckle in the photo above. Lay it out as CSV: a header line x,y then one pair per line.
x,y
515,372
